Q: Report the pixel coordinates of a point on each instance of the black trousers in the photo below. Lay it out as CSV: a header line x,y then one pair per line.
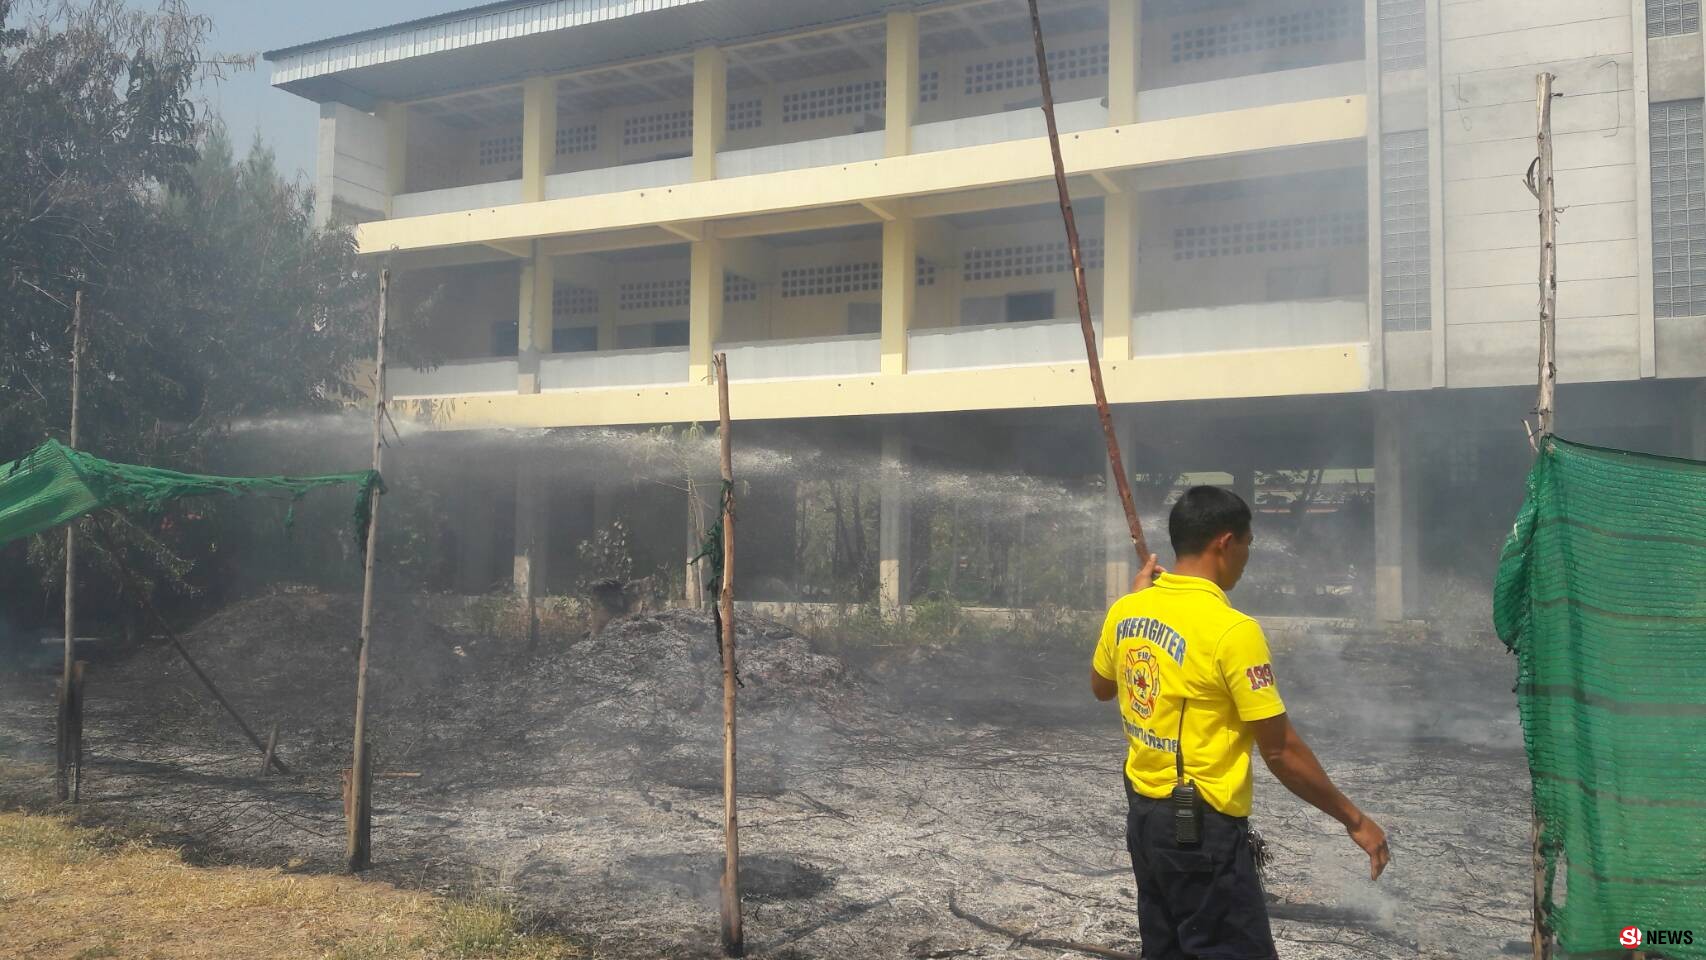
x,y
1196,903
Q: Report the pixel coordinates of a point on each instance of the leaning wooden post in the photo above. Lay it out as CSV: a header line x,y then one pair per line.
x,y
1540,183
1091,352
358,846
734,941
68,727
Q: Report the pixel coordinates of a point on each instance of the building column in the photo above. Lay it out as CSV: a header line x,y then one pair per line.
x,y
536,320
1119,273
901,103
538,135
532,527
1120,556
710,109
705,305
900,291
698,518
1124,59
894,526
1396,528
1244,483
475,527
1697,421
396,117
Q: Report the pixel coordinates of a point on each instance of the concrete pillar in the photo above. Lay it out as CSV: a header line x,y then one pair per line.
x,y
1244,483
475,532
1396,514
1120,557
396,150
705,306
698,518
538,135
532,528
536,320
902,97
1119,273
1697,421
710,109
1124,59
894,526
900,291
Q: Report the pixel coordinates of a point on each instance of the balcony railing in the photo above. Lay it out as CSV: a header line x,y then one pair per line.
x,y
632,176
1250,326
1262,90
613,368
997,345
824,152
454,379
1072,117
811,357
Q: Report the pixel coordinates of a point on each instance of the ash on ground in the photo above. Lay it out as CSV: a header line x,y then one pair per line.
x,y
583,775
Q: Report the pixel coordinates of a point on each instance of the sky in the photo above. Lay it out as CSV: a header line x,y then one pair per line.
x,y
248,101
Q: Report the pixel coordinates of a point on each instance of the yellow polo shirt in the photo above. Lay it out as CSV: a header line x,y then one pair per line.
x,y
1181,640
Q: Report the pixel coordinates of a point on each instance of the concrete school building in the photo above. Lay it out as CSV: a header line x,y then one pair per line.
x,y
1307,237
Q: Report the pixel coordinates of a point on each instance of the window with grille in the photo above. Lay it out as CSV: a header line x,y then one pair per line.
x,y
926,273
657,127
930,87
1667,18
652,294
746,115
1406,297
863,96
1275,235
582,139
1028,260
496,150
567,301
831,280
1077,63
1403,35
574,340
738,289
1679,210
1276,31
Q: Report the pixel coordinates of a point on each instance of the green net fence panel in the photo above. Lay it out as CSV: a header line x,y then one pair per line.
x,y
55,484
1601,595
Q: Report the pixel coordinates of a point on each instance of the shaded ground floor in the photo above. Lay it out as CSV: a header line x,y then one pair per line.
x,y
1384,506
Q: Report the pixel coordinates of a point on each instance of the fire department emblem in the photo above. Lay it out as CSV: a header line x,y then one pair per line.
x,y
1142,680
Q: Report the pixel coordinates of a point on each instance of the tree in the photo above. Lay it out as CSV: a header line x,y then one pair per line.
x,y
209,296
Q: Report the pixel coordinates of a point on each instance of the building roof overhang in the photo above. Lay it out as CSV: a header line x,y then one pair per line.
x,y
505,42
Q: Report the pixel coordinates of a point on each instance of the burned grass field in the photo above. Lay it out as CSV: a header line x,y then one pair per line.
x,y
581,776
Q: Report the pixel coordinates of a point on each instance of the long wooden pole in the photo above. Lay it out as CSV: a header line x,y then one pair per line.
x,y
358,845
1540,940
67,727
1095,363
1544,408
734,940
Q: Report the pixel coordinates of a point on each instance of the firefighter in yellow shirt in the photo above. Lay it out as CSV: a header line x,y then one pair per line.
x,y
1196,690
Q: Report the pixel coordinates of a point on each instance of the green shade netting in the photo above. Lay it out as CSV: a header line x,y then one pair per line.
x,y
55,484
1601,595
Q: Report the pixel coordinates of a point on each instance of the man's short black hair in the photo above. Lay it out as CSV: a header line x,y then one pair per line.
x,y
1204,513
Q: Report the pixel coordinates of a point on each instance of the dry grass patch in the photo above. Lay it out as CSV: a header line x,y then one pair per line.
x,y
71,893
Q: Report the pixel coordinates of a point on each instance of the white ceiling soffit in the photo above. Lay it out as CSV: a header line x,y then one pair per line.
x,y
504,42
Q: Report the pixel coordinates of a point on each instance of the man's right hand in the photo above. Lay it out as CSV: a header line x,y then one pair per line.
x,y
1146,577
1368,835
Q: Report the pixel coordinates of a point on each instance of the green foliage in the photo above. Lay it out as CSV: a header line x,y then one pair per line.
x,y
209,295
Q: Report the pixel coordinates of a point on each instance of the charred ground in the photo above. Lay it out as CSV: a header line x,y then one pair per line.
x,y
582,775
